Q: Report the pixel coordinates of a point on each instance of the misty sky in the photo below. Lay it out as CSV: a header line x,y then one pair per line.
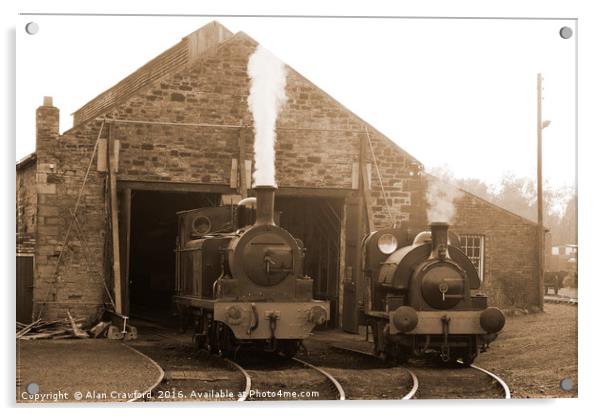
x,y
455,93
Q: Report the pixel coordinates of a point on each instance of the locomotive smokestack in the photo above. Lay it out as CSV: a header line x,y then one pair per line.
x,y
265,204
439,240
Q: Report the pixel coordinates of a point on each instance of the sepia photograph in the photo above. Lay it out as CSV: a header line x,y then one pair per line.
x,y
222,208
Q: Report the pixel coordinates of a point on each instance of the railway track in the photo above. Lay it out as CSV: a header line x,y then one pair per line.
x,y
262,377
327,373
276,378
471,382
403,395
500,387
189,375
561,300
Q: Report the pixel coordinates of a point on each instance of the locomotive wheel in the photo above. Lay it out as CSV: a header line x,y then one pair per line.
x,y
226,342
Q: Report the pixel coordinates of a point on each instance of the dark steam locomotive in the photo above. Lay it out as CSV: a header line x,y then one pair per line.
x,y
240,281
423,297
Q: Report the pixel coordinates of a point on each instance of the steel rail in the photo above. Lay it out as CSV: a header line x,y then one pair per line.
x,y
155,364
231,363
415,383
497,378
247,390
333,380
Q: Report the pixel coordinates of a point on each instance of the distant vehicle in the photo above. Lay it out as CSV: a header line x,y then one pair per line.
x,y
561,261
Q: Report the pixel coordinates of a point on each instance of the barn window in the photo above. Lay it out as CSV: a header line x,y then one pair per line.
x,y
555,251
474,247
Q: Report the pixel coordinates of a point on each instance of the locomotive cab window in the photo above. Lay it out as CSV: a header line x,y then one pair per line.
x,y
474,247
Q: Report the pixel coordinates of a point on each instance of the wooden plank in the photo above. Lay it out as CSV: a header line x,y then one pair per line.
x,y
165,186
125,212
101,159
315,192
365,185
234,174
115,226
242,159
355,175
248,173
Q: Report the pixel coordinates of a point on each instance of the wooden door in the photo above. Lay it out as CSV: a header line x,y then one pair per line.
x,y
24,289
352,289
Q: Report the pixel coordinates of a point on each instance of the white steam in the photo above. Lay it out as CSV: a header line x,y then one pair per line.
x,y
440,196
266,98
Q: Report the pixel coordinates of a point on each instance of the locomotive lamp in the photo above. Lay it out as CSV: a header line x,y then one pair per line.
x,y
387,243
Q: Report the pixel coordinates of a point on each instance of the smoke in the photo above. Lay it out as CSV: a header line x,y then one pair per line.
x,y
266,98
440,196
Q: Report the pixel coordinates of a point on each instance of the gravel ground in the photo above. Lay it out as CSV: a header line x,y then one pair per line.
x,y
100,369
535,352
532,354
362,378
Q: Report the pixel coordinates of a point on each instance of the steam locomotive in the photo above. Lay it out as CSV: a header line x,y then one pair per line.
x,y
240,281
423,299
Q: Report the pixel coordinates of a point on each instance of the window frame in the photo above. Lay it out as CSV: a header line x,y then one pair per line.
x,y
464,238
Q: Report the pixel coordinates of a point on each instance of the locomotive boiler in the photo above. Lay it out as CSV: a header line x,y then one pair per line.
x,y
240,280
424,298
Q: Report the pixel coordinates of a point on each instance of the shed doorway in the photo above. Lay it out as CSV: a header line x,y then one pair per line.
x,y
153,231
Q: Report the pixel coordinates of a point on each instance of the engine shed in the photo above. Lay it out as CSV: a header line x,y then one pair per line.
x,y
97,204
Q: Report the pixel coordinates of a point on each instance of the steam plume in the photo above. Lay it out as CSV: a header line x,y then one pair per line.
x,y
266,98
440,196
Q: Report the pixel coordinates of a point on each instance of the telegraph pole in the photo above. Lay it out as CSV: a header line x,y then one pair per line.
x,y
540,230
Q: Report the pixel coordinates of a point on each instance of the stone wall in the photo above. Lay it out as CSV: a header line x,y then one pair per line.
x,y
510,264
26,207
69,254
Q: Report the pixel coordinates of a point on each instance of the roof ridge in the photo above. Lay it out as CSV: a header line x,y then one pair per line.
x,y
480,198
190,49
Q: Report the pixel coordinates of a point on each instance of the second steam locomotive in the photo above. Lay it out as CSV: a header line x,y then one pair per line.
x,y
240,281
423,297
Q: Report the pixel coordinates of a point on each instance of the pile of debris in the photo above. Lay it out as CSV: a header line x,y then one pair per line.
x,y
60,329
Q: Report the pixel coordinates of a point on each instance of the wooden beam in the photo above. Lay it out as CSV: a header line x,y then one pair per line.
x,y
315,192
242,157
115,223
365,183
125,231
165,186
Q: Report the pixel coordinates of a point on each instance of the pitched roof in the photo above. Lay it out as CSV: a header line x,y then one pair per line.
x,y
188,50
26,161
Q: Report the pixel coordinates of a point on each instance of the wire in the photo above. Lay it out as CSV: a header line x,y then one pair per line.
x,y
74,213
380,179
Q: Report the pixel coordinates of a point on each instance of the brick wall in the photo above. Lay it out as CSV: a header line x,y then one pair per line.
x,y
510,267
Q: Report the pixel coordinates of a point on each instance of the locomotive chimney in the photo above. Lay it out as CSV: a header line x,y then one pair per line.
x,y
265,204
439,240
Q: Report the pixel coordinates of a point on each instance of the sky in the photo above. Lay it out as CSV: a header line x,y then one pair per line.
x,y
454,93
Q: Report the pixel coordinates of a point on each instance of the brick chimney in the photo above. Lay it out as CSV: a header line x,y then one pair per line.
x,y
47,123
